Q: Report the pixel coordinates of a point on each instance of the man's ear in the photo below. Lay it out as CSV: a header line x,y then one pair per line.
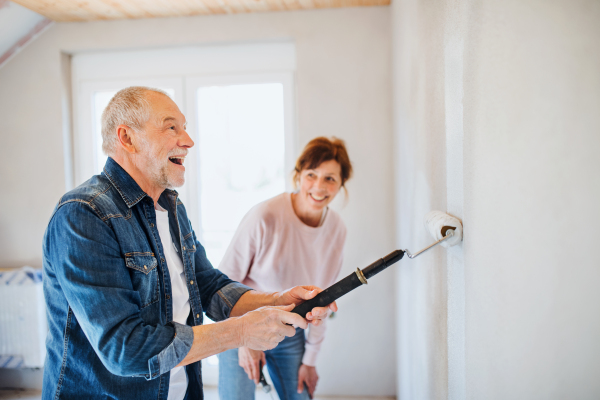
x,y
124,135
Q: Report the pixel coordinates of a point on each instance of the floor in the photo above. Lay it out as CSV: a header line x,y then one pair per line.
x,y
20,394
210,393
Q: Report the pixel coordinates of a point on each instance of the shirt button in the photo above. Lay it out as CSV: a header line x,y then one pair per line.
x,y
168,297
191,282
145,267
151,225
184,247
162,259
197,316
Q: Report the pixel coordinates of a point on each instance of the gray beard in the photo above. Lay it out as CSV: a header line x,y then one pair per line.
x,y
160,177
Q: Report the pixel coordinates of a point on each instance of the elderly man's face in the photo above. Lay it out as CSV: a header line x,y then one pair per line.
x,y
164,143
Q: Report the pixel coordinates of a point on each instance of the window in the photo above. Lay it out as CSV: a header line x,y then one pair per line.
x,y
238,101
241,146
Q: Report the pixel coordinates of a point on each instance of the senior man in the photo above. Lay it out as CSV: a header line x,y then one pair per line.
x,y
126,281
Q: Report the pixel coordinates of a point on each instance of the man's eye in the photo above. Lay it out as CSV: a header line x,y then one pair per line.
x,y
172,127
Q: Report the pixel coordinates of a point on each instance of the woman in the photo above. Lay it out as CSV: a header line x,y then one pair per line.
x,y
291,239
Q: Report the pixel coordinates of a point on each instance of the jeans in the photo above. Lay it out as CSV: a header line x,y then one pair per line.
x,y
283,363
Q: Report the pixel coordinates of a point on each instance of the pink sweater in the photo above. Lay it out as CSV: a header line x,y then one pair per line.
x,y
272,250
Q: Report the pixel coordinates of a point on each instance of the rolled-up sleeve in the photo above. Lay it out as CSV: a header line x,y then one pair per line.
x,y
175,351
223,301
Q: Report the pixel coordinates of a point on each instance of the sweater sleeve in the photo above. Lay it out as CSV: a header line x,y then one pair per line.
x,y
314,339
243,247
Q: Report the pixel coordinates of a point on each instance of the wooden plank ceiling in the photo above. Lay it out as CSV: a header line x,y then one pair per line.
x,y
90,10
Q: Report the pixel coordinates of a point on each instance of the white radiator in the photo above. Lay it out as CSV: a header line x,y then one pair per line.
x,y
23,325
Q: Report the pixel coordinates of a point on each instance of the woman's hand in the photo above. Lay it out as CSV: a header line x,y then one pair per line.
x,y
251,361
308,375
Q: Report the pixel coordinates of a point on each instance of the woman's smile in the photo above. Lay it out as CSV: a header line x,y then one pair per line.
x,y
317,198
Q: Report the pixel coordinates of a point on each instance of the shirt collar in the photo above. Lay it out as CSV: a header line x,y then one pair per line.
x,y
127,187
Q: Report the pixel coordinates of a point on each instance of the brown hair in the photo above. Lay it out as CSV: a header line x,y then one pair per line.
x,y
323,149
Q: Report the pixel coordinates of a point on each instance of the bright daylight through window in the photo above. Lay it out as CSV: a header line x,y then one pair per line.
x,y
241,145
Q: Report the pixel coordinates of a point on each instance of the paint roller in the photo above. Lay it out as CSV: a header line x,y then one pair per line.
x,y
444,228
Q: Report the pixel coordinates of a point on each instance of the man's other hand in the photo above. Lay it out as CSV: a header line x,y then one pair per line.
x,y
299,294
264,328
251,361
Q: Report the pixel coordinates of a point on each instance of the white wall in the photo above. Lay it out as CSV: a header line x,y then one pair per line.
x,y
343,89
496,108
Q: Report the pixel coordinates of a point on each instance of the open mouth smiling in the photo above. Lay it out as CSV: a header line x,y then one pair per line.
x,y
177,160
317,198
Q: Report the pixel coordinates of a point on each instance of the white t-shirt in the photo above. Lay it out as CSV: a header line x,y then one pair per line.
x,y
181,298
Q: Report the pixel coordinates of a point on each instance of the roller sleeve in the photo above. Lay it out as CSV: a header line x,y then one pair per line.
x,y
438,223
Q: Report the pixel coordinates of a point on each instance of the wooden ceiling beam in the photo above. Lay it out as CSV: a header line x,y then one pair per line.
x,y
91,10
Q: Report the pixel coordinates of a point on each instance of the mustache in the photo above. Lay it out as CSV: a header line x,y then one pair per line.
x,y
178,153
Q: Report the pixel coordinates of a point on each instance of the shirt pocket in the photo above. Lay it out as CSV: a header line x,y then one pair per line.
x,y
144,276
188,246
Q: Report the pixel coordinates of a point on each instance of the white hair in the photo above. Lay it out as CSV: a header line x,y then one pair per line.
x,y
130,106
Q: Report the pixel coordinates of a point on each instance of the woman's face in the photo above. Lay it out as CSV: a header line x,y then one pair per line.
x,y
319,186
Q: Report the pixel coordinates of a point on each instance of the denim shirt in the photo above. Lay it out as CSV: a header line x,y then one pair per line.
x,y
108,293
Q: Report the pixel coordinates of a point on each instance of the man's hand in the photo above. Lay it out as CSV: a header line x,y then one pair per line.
x,y
264,328
251,361
258,321
308,375
298,295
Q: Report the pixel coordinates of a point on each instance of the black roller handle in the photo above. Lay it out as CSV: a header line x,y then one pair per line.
x,y
262,380
348,284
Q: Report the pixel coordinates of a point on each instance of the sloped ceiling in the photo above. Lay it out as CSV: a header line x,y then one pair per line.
x,y
18,26
88,10
23,20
